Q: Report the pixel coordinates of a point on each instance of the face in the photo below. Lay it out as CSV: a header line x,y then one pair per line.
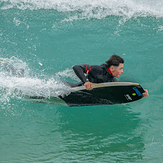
x,y
117,71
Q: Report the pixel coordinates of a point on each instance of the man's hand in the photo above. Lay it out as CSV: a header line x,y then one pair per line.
x,y
88,85
145,94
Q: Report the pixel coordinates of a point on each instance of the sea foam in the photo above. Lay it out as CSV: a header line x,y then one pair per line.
x,y
86,9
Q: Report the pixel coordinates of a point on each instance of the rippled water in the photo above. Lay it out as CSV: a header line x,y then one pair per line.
x,y
46,38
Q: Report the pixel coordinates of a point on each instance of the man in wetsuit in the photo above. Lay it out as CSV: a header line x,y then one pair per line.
x,y
100,74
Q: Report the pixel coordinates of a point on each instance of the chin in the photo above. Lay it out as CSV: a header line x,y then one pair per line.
x,y
118,76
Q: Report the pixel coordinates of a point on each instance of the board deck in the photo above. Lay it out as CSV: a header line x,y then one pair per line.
x,y
104,94
109,93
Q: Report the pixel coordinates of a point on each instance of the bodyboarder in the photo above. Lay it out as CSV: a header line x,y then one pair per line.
x,y
100,73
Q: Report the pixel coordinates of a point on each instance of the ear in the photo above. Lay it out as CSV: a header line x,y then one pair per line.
x,y
111,68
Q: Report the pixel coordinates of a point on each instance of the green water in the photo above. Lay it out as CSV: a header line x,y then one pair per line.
x,y
46,39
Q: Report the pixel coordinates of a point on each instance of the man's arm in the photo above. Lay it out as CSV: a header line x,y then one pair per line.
x,y
79,71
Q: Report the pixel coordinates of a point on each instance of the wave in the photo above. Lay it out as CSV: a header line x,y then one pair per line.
x,y
11,86
86,9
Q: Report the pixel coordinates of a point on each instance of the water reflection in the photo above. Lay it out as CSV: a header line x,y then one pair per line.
x,y
83,134
111,132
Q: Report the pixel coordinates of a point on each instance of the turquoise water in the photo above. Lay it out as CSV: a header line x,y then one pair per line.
x,y
47,38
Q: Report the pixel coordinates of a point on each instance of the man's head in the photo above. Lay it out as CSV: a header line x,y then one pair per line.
x,y
115,64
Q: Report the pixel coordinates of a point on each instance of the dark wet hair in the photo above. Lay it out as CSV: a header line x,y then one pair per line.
x,y
114,60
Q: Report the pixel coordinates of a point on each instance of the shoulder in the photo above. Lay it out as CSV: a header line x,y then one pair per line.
x,y
97,67
104,66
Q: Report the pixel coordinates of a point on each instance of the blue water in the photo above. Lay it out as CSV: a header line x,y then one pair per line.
x,y
47,38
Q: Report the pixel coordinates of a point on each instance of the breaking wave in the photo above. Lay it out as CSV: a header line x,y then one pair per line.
x,y
11,86
86,9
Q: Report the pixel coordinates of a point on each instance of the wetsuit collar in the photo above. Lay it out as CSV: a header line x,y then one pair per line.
x,y
110,71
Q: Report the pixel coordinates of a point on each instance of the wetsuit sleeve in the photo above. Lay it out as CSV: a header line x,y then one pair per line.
x,y
80,70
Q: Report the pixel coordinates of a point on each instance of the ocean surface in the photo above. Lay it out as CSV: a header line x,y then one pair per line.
x,y
48,37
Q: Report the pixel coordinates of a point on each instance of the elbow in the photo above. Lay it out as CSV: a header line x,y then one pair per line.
x,y
75,67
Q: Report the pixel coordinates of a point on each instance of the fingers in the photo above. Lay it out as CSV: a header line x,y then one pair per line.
x,y
145,94
88,85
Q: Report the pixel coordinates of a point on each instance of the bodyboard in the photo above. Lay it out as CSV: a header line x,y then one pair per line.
x,y
104,94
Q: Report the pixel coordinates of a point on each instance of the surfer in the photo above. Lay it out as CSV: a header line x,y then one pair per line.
x,y
100,73
95,73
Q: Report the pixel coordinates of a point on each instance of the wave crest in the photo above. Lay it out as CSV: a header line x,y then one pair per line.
x,y
91,9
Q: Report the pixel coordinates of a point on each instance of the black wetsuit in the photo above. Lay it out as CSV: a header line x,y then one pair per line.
x,y
96,74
